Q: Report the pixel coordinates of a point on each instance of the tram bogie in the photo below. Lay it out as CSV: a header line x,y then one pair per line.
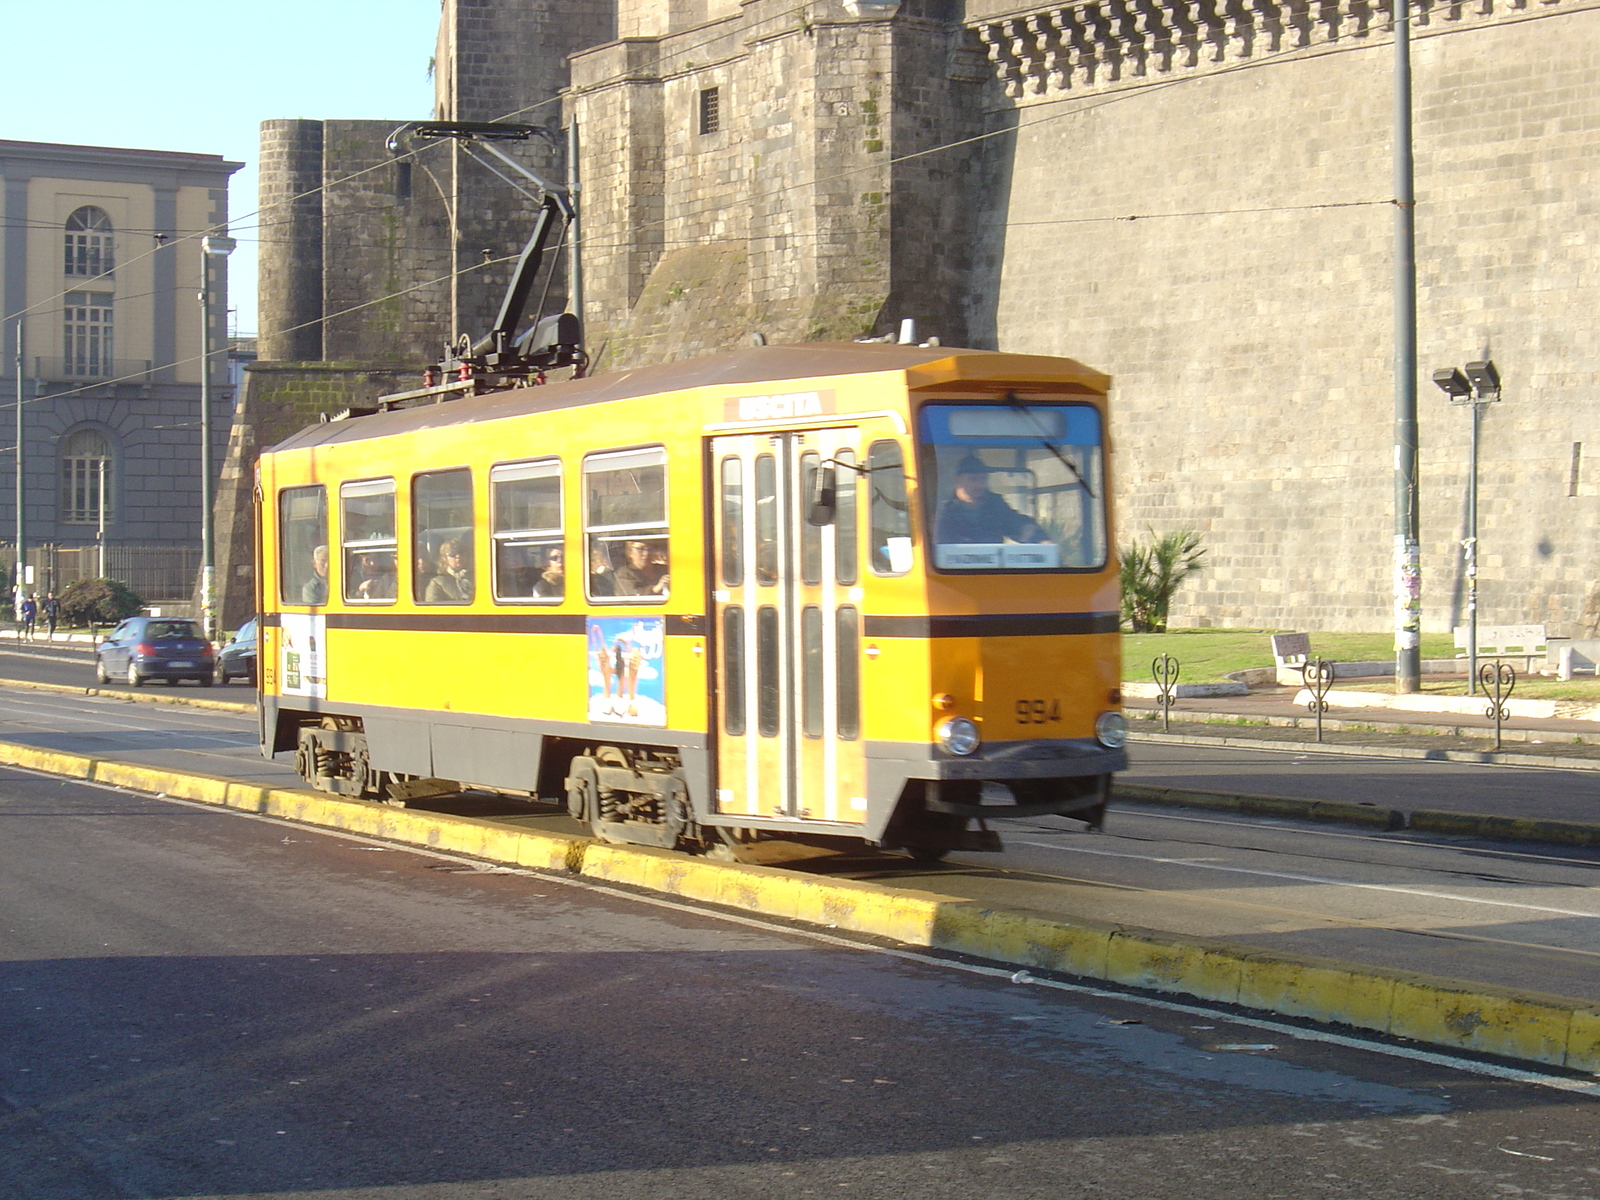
x,y
839,595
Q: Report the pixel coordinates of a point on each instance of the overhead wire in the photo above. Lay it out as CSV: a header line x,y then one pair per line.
x,y
343,312
222,227
1092,102
1085,104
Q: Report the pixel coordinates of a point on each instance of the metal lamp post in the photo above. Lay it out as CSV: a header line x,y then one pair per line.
x,y
22,529
1479,385
211,247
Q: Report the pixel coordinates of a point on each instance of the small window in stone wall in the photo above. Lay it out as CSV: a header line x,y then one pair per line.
x,y
710,110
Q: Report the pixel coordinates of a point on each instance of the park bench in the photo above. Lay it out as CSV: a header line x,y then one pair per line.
x,y
1290,653
1496,643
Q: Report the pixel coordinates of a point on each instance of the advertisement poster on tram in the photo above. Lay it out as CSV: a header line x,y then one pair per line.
x,y
627,680
302,655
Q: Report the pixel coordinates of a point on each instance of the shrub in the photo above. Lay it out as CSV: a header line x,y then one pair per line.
x,y
1151,574
98,602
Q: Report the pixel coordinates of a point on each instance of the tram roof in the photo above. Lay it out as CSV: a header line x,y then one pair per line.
x,y
755,364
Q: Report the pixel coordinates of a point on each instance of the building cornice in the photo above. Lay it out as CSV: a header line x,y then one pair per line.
x,y
62,154
1099,44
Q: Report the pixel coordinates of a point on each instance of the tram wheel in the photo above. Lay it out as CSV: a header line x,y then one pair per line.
x,y
583,790
928,854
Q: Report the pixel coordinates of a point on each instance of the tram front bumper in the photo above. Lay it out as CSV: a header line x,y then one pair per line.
x,y
954,783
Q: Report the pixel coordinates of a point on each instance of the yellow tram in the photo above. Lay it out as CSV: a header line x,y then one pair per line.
x,y
811,592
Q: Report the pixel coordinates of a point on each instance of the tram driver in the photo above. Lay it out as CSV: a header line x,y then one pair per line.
x,y
973,514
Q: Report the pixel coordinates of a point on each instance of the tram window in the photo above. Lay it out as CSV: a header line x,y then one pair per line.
x,y
530,561
733,671
732,523
890,511
625,522
810,535
844,519
303,545
766,520
768,701
441,537
366,531
848,640
1014,487
811,671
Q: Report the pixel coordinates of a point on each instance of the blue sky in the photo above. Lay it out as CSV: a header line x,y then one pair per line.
x,y
197,76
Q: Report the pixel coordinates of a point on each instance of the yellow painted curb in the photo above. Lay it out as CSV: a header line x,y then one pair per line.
x,y
68,689
1555,1030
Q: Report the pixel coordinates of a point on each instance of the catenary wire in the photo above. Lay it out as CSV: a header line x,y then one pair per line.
x,y
222,227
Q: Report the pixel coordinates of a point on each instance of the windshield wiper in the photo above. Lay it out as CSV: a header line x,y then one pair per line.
x,y
1014,402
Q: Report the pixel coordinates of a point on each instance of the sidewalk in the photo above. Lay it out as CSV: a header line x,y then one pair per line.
x,y
40,638
1271,715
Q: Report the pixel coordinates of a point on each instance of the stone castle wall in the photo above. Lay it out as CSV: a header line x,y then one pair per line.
x,y
1218,237
804,215
1193,197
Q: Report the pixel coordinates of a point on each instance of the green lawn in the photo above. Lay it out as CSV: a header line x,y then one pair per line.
x,y
1207,655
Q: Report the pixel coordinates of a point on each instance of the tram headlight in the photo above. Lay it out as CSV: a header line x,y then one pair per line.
x,y
958,735
1112,730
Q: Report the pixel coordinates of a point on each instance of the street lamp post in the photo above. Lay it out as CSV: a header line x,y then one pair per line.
x,y
211,247
1479,385
22,528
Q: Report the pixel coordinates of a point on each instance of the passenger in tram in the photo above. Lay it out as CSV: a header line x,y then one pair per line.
x,y
639,576
315,589
602,580
377,577
454,583
974,514
552,581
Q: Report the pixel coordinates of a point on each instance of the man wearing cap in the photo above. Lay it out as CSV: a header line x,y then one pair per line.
x,y
974,514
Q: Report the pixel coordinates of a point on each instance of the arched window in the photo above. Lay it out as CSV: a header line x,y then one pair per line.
x,y
85,477
88,244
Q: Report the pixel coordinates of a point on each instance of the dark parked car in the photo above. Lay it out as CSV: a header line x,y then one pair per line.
x,y
155,648
237,660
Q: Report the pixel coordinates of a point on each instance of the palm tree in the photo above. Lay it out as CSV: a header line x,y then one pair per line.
x,y
1151,574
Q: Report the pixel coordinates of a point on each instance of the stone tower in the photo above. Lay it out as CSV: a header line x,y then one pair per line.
x,y
748,168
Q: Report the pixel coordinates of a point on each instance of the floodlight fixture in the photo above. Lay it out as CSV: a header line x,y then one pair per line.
x,y
1485,379
1452,382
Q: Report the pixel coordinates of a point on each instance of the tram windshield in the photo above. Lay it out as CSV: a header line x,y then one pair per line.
x,y
1014,487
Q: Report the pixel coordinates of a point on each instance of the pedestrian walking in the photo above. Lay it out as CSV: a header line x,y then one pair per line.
x,y
51,608
30,615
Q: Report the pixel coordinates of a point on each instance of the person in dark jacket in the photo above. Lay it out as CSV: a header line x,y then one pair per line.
x,y
974,514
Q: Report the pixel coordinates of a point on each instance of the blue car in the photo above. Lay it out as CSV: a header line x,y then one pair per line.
x,y
144,648
237,660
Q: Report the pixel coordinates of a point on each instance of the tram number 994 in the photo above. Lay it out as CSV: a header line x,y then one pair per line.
x,y
1038,712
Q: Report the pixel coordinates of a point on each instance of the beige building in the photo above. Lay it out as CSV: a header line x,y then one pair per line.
x,y
100,263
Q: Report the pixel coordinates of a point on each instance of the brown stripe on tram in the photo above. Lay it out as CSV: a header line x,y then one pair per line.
x,y
990,625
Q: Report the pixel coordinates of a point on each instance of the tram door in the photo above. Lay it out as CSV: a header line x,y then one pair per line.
x,y
786,600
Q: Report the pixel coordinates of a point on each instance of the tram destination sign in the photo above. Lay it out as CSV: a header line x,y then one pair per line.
x,y
783,406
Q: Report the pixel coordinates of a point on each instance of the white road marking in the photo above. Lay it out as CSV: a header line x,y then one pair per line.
x,y
930,959
1321,879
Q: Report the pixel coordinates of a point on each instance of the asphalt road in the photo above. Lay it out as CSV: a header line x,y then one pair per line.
x,y
203,1004
1492,913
